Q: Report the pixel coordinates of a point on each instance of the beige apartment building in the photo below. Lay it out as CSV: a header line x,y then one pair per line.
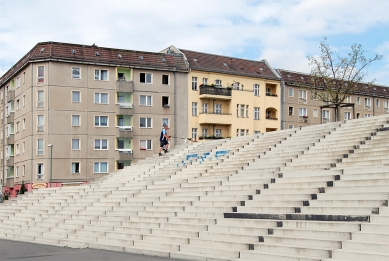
x,y
230,97
300,109
72,113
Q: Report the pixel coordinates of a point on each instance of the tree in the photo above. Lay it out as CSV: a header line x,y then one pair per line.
x,y
334,78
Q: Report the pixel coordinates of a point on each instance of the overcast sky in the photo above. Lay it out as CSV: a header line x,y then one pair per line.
x,y
283,32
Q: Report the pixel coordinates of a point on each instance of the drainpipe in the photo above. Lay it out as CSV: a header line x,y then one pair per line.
x,y
175,107
3,148
282,114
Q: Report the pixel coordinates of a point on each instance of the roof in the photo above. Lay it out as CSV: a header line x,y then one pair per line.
x,y
229,65
293,78
92,54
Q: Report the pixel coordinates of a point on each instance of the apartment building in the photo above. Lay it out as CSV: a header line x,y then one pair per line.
x,y
300,108
230,97
71,113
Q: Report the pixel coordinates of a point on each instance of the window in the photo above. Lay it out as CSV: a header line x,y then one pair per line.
x,y
17,149
100,167
76,122
367,115
326,115
358,115
41,99
291,92
101,144
256,89
303,112
101,121
267,114
194,108
41,123
24,170
76,73
205,107
75,144
24,146
101,98
242,110
256,113
242,131
348,99
218,109
145,144
290,111
194,83
194,133
18,104
347,115
145,123
146,78
165,101
218,83
17,126
205,81
290,126
24,77
377,103
237,132
39,171
41,74
358,101
17,172
76,96
237,111
18,82
303,95
101,75
165,122
367,103
218,132
204,133
24,124
386,105
24,100
247,111
39,147
165,79
315,113
75,167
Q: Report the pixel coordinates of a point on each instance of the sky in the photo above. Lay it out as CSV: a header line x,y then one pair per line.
x,y
284,32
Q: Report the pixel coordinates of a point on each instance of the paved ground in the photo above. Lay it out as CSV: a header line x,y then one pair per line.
x,y
16,250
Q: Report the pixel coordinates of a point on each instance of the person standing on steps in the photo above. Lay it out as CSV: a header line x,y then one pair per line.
x,y
164,140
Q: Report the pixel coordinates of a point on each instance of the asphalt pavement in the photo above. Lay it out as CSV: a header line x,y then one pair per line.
x,y
17,250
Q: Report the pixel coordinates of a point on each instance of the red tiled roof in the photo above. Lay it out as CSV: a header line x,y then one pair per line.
x,y
292,78
97,55
228,65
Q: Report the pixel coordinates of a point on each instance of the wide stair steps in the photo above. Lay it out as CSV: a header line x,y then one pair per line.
x,y
286,195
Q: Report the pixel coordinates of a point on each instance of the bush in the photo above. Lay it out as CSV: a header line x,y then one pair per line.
x,y
23,188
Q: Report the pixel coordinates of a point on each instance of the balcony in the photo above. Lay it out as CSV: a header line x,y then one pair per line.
x,y
124,86
271,94
10,161
215,118
10,95
124,154
124,109
211,92
124,132
11,117
10,138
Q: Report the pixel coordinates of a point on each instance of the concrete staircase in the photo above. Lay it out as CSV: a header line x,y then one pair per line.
x,y
314,193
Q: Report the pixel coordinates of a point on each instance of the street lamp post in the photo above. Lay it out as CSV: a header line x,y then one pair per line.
x,y
51,162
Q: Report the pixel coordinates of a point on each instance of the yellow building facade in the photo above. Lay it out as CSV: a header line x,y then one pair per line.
x,y
229,97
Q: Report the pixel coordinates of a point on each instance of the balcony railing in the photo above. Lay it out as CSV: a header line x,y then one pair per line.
x,y
123,85
211,90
